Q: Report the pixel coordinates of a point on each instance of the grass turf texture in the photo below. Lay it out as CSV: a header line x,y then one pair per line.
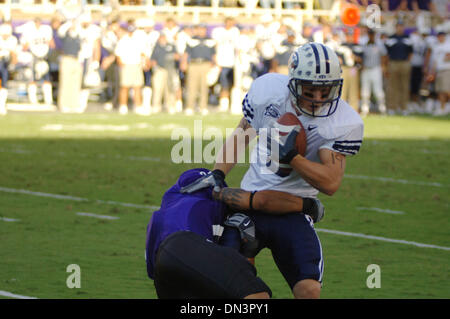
x,y
127,159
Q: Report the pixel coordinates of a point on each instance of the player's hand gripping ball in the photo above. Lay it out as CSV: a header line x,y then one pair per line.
x,y
290,141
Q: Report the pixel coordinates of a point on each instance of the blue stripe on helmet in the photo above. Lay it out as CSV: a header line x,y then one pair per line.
x,y
316,54
327,62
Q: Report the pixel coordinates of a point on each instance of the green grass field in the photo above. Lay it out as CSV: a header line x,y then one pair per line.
x,y
396,188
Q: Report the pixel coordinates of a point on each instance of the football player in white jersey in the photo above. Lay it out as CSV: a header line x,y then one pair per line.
x,y
334,131
8,57
36,37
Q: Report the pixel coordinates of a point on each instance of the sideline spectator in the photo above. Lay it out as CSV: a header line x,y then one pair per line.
x,y
148,36
349,52
419,48
266,34
307,32
183,36
53,58
440,72
70,69
324,34
399,68
165,79
227,46
374,59
284,51
172,32
109,66
8,46
131,74
36,38
248,58
89,56
199,58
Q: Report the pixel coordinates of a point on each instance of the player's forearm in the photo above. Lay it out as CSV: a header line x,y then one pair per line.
x,y
266,201
234,147
320,176
226,158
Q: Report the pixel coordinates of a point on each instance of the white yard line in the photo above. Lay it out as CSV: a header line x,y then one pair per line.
x,y
390,240
102,156
11,295
97,216
381,210
73,198
394,180
6,219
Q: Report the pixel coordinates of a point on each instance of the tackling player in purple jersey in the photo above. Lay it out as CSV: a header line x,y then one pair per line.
x,y
182,257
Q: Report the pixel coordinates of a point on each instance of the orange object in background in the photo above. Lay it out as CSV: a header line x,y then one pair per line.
x,y
350,15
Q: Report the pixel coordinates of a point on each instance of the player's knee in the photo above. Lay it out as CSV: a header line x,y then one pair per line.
x,y
307,289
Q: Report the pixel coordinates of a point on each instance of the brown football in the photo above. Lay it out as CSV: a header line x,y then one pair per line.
x,y
289,119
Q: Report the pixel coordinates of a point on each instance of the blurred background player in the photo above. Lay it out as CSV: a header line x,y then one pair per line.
x,y
165,77
349,51
374,60
8,46
148,37
129,53
110,38
440,73
418,65
70,69
36,38
280,63
199,58
399,50
226,38
266,33
89,56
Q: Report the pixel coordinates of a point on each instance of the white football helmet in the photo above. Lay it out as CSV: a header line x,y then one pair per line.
x,y
315,65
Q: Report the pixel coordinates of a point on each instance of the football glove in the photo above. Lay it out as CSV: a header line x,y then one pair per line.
x,y
285,145
314,208
215,179
246,228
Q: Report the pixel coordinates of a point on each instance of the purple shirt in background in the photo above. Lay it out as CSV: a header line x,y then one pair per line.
x,y
57,40
195,212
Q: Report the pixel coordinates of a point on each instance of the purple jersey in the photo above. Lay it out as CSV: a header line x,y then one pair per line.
x,y
196,212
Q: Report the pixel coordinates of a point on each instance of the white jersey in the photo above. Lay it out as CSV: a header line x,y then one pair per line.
x,y
440,57
37,38
227,44
268,99
7,46
88,38
146,40
129,50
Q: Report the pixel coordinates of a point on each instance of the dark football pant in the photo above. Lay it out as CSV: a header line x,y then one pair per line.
x,y
292,240
188,266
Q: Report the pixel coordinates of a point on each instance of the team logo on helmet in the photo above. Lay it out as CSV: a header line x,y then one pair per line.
x,y
272,111
293,63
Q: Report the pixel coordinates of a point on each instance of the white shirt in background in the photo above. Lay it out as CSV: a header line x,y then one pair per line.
x,y
227,44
